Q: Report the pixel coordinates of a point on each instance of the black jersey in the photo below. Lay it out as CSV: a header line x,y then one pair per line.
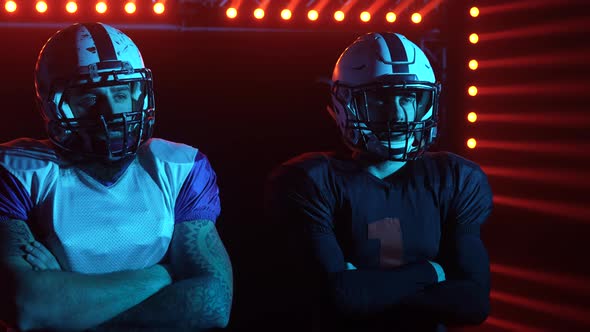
x,y
429,210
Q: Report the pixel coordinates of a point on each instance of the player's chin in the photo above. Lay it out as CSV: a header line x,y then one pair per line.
x,y
114,144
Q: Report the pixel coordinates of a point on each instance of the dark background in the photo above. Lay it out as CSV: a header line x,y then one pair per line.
x,y
249,99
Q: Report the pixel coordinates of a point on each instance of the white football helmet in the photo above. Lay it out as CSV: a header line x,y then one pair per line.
x,y
94,56
385,97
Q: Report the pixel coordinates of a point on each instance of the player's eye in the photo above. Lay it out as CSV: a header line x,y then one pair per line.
x,y
87,101
408,98
121,97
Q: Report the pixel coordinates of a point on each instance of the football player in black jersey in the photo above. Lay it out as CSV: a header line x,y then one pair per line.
x,y
387,237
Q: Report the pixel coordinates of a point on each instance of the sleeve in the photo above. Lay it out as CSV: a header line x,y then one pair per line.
x,y
15,202
308,209
464,297
199,196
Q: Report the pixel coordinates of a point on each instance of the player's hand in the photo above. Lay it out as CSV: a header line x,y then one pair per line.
x,y
440,273
40,257
349,266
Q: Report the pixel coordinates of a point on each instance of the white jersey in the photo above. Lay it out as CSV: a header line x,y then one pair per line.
x,y
94,228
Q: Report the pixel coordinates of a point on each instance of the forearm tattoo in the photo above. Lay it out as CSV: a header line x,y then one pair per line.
x,y
198,251
201,295
14,234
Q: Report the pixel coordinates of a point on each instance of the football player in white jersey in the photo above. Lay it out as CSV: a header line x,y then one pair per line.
x,y
102,226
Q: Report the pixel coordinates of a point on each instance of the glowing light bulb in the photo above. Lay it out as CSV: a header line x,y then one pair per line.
x,y
41,6
313,15
130,8
159,8
10,6
390,17
259,13
231,12
286,14
71,7
365,16
101,7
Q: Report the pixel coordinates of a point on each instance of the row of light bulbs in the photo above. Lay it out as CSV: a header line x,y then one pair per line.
x,y
313,15
472,90
71,7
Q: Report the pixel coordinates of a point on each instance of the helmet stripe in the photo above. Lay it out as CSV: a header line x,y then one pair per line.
x,y
102,40
397,51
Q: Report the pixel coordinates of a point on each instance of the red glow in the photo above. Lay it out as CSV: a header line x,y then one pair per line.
x,y
511,326
402,6
563,281
518,5
235,4
346,7
557,148
376,6
568,88
264,4
560,310
321,5
547,207
552,119
293,4
429,7
538,30
569,58
552,176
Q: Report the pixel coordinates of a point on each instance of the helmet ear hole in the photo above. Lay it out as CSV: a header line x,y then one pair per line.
x,y
57,133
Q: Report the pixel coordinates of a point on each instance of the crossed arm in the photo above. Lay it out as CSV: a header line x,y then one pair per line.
x,y
413,288
199,297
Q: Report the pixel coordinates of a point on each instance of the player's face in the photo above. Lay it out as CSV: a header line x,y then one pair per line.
x,y
93,102
101,107
384,109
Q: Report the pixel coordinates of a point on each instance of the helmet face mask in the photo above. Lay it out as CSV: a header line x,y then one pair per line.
x,y
96,107
385,107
